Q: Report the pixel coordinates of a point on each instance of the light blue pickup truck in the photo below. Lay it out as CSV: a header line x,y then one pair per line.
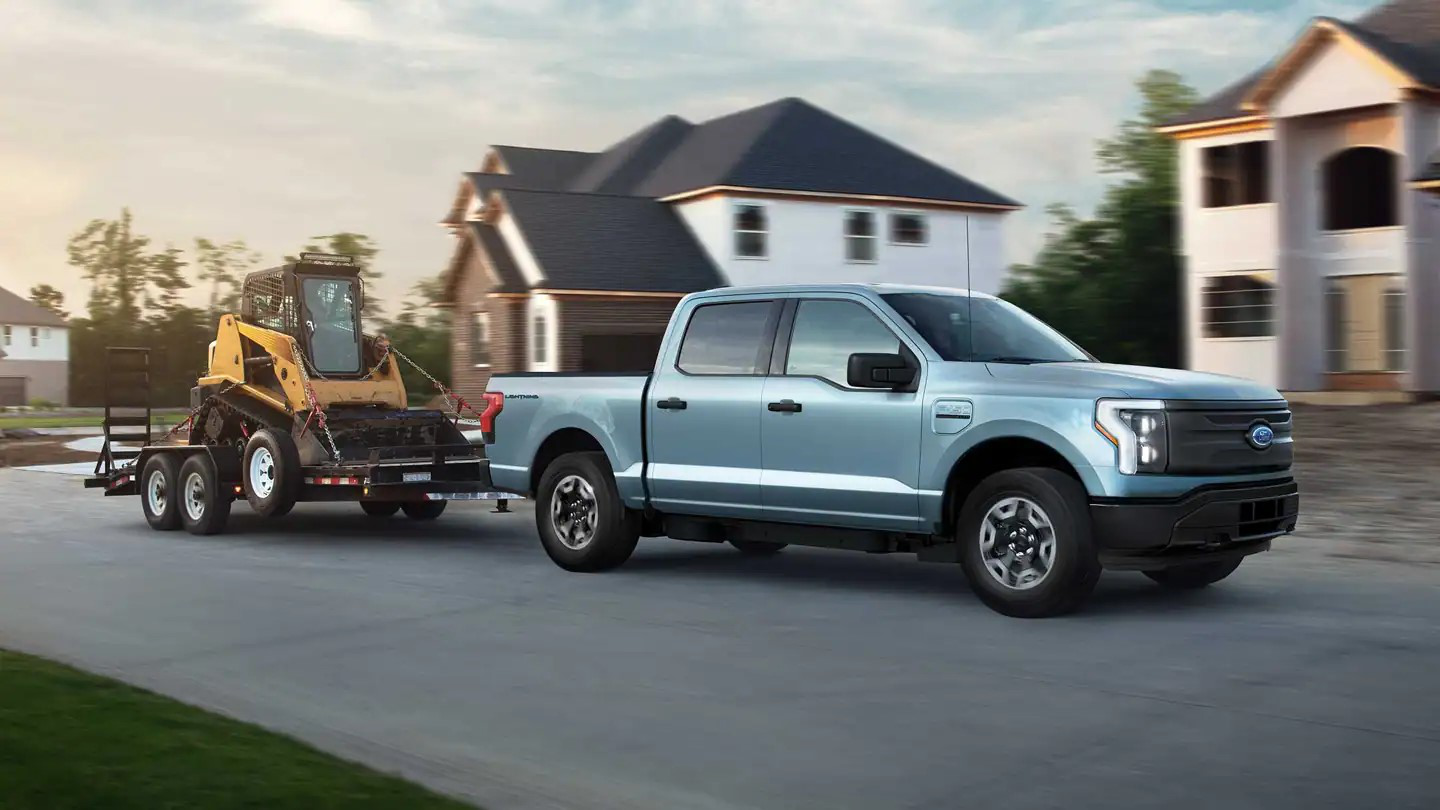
x,y
886,418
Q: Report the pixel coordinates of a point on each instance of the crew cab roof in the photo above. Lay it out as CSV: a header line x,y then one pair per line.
x,y
801,289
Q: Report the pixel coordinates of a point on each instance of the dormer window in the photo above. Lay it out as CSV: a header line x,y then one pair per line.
x,y
752,232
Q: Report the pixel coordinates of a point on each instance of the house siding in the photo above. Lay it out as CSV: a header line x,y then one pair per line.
x,y
579,318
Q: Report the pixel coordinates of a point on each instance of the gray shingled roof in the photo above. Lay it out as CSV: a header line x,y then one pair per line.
x,y
607,242
499,257
17,311
1404,32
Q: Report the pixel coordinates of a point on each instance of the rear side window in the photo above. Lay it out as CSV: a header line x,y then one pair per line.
x,y
727,339
826,333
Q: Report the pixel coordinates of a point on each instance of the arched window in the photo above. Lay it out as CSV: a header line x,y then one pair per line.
x,y
1361,189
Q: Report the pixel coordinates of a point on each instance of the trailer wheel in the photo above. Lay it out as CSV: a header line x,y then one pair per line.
x,y
583,524
380,509
423,510
160,492
204,504
271,472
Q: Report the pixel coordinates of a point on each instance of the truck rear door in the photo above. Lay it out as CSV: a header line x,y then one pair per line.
x,y
703,409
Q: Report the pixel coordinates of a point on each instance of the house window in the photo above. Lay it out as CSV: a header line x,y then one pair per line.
x,y
752,232
1361,189
7,336
909,229
1238,174
1395,328
34,336
47,333
1336,358
1238,306
480,339
859,236
539,341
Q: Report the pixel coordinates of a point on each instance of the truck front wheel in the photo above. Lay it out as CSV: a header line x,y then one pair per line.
x,y
582,522
1025,543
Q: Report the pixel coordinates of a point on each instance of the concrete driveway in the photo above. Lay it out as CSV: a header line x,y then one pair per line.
x,y
455,653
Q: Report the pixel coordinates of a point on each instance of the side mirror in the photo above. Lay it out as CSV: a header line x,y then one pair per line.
x,y
872,370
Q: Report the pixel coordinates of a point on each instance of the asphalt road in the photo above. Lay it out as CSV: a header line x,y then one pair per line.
x,y
455,653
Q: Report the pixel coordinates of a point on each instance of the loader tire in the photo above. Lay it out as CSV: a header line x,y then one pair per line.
x,y
204,503
583,524
271,472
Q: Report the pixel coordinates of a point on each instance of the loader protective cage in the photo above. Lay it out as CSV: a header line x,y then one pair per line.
x,y
272,299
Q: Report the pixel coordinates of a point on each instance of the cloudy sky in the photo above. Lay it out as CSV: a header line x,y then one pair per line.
x,y
274,120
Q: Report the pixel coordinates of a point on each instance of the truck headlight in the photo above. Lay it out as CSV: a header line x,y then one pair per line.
x,y
1137,429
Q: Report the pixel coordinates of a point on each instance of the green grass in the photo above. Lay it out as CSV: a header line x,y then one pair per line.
x,y
69,739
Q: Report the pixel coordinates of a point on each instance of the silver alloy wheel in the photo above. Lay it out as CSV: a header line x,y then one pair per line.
x,y
262,472
156,491
194,496
574,512
1017,543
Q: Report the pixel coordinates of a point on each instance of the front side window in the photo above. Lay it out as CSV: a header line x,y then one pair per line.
x,y
727,339
1238,306
983,330
1238,174
1361,189
752,232
860,236
480,339
909,229
826,333
333,324
539,341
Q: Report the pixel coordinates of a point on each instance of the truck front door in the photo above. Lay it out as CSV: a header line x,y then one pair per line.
x,y
704,411
833,454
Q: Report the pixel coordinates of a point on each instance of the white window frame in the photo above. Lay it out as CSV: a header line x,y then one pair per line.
x,y
924,228
539,339
846,236
1396,358
8,335
736,230
34,337
1261,274
480,322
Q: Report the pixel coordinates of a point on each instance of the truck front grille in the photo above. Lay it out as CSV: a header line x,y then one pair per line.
x,y
1210,437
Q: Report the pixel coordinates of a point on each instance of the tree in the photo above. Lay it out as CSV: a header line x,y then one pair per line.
x,y
422,332
357,246
49,298
110,254
1112,282
167,280
224,266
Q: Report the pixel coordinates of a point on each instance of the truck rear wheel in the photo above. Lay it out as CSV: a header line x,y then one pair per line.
x,y
1189,577
204,503
160,492
582,522
271,472
1025,543
423,510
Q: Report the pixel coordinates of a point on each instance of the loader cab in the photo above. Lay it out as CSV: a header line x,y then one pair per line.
x,y
316,300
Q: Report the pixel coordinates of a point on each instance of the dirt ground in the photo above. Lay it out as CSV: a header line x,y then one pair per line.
x,y
47,450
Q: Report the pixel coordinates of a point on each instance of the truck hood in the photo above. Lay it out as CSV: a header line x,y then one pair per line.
x,y
1140,382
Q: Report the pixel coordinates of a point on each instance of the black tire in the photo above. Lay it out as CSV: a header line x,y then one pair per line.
x,y
204,503
380,509
423,510
757,548
166,495
282,489
613,529
1075,567
1190,577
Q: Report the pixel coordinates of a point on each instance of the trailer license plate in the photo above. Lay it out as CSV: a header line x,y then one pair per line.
x,y
416,476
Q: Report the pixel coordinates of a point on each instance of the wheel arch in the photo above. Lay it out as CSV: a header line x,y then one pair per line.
x,y
992,455
558,443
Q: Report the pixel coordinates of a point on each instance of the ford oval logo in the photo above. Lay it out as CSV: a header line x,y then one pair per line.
x,y
1260,436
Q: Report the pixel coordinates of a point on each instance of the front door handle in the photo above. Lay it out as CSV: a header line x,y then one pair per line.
x,y
671,404
785,406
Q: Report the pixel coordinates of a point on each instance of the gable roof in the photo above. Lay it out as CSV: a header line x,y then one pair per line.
x,y
1403,34
17,311
608,242
498,256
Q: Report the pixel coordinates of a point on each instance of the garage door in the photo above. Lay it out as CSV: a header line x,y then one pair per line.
x,y
12,390
618,352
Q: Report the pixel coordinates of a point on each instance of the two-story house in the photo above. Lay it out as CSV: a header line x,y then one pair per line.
x,y
34,353
569,261
1309,224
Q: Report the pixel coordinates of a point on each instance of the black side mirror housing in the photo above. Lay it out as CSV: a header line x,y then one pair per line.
x,y
875,370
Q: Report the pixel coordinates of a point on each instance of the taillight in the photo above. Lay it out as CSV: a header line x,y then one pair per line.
x,y
494,404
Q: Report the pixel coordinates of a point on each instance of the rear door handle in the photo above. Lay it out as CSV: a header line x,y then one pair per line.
x,y
671,404
785,406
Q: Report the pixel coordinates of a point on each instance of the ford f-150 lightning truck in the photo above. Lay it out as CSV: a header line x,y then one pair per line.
x,y
886,418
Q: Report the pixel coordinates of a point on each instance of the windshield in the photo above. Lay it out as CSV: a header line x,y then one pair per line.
x,y
985,330
330,321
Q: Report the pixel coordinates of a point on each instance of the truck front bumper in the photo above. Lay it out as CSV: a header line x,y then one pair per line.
x,y
1208,523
